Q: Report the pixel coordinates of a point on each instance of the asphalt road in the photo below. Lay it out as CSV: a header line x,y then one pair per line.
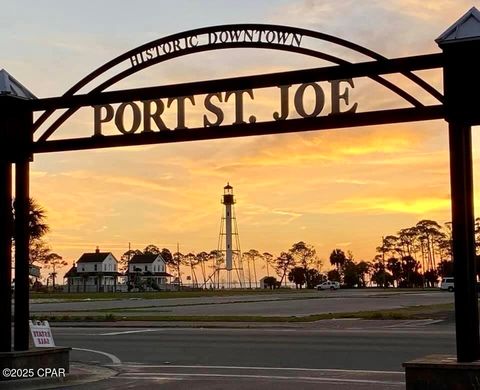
x,y
383,349
352,357
267,305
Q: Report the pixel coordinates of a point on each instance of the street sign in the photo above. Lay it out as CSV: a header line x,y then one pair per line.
x,y
41,334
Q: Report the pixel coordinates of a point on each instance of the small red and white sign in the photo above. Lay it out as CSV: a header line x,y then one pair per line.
x,y
41,334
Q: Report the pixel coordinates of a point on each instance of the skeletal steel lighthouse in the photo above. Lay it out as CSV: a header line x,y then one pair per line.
x,y
230,238
228,200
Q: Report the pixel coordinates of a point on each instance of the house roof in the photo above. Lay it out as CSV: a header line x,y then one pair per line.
x,y
161,274
71,272
144,259
148,273
96,257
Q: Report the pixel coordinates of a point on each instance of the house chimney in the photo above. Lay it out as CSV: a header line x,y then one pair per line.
x,y
97,250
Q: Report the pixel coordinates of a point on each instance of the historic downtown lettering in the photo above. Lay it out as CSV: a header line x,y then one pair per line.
x,y
215,39
128,117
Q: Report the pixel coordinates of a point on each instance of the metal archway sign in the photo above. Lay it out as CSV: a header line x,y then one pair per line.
x,y
458,105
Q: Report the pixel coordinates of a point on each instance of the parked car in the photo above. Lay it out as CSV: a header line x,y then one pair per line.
x,y
447,284
328,285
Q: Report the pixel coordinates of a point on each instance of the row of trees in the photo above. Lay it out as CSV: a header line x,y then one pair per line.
x,y
202,265
416,256
177,260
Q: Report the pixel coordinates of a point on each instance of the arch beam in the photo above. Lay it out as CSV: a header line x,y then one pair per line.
x,y
362,69
260,128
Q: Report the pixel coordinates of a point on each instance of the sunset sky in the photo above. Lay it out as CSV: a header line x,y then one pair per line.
x,y
338,188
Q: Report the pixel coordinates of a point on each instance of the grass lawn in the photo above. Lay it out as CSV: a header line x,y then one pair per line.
x,y
194,294
438,311
160,294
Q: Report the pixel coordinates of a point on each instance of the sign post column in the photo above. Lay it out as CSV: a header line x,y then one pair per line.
x,y
22,236
22,285
463,226
461,45
5,229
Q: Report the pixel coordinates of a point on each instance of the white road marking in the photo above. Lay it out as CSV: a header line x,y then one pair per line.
x,y
387,329
162,375
115,360
263,368
129,331
353,330
414,323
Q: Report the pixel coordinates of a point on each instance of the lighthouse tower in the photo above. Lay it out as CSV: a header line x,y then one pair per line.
x,y
228,200
229,242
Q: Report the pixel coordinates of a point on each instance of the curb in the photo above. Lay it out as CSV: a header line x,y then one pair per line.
x,y
173,324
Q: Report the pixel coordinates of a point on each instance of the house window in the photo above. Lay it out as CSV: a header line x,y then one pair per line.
x,y
83,268
95,267
146,268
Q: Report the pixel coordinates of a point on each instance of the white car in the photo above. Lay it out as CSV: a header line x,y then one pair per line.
x,y
447,284
328,285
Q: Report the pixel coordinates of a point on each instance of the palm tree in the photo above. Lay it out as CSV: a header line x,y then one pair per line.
x,y
201,259
52,260
284,263
431,230
364,268
36,220
167,257
218,259
268,257
191,260
246,257
253,255
305,255
177,260
126,257
407,238
37,228
151,250
337,258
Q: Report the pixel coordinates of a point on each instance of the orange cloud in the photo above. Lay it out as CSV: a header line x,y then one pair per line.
x,y
398,205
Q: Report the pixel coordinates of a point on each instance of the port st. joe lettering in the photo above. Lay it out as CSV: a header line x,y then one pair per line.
x,y
148,115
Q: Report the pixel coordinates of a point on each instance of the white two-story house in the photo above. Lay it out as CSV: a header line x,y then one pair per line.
x,y
143,269
94,272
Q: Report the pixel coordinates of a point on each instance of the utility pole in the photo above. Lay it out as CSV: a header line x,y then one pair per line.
x,y
178,267
128,264
383,261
